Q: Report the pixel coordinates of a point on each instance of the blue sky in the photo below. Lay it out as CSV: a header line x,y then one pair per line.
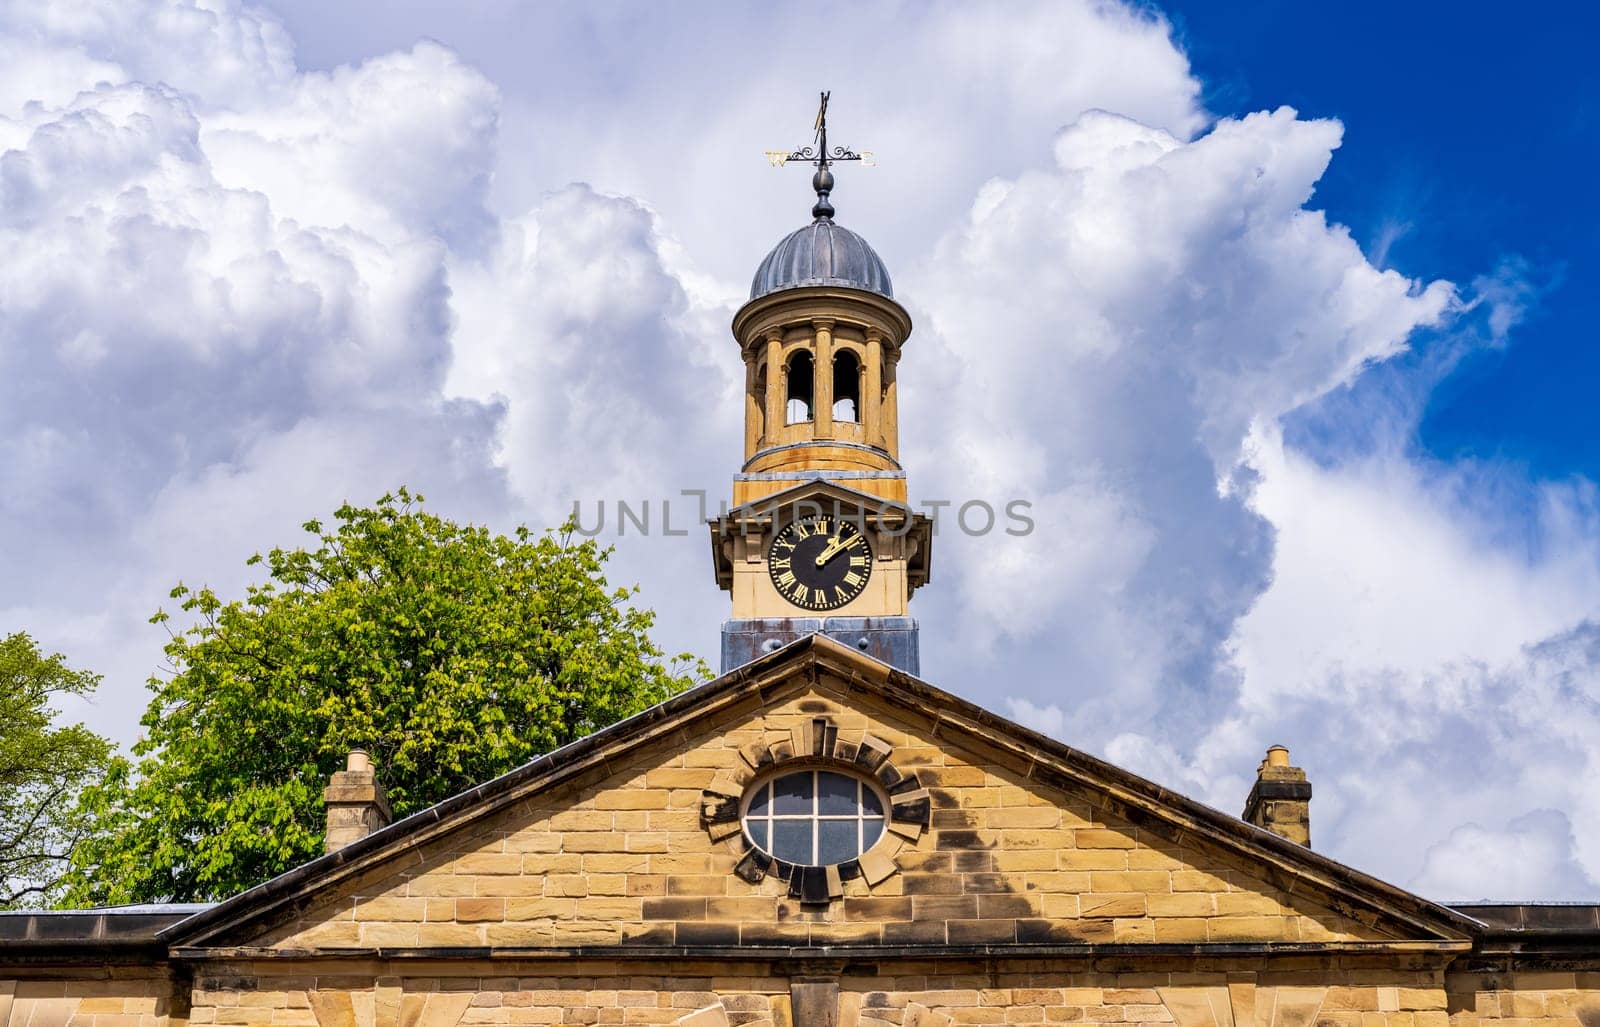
x,y
1471,138
1276,314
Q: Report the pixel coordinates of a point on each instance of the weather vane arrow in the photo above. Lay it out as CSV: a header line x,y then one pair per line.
x,y
819,155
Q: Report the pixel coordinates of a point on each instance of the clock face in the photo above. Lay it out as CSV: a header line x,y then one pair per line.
x,y
820,563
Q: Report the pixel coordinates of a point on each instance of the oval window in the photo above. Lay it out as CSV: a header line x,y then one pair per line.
x,y
814,817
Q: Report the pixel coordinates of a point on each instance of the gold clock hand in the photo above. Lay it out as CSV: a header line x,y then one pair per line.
x,y
838,543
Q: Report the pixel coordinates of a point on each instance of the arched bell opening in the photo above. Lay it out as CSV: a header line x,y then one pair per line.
x,y
846,387
758,401
800,382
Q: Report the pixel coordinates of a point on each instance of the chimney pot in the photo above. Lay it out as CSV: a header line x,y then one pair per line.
x,y
356,803
1280,800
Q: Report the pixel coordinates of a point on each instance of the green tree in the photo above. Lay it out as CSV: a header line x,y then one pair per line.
x,y
449,653
42,768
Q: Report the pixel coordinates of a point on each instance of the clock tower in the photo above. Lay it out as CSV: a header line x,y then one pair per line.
x,y
820,537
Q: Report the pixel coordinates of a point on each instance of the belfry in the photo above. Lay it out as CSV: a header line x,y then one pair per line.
x,y
821,538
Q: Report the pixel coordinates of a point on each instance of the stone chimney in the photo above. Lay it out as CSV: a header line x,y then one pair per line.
x,y
1281,798
356,803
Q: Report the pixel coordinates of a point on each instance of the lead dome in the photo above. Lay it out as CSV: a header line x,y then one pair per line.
x,y
822,253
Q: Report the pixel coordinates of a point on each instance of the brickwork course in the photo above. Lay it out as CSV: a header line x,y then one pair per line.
x,y
1017,881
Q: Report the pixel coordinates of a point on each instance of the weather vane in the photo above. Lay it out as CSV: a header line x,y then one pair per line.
x,y
823,158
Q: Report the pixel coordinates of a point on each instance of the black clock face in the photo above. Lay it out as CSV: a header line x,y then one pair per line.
x,y
820,563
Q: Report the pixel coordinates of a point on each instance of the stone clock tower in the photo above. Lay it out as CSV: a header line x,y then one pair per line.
x,y
821,537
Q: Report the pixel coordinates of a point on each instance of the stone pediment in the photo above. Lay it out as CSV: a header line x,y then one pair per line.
x,y
998,840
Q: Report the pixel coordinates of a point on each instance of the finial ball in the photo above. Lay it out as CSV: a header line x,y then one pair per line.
x,y
822,182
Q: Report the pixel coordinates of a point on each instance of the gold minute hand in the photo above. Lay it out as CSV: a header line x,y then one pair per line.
x,y
838,543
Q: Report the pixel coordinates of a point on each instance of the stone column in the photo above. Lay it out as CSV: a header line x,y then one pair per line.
x,y
822,379
355,801
752,403
872,391
891,410
1280,801
775,384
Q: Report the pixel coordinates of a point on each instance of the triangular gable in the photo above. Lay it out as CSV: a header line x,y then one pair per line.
x,y
1130,862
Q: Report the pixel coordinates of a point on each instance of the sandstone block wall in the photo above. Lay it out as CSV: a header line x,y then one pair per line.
x,y
90,997
1525,998
1287,992
906,993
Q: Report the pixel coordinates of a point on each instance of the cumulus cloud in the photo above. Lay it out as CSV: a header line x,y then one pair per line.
x,y
186,346
1529,856
219,52
1120,337
243,293
946,98
1105,333
1441,621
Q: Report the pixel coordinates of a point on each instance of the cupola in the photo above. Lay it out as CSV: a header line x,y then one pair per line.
x,y
821,337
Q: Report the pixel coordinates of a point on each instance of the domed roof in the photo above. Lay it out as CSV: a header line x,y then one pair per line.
x,y
822,253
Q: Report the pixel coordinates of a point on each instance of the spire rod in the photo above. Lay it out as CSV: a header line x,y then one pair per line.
x,y
819,155
822,181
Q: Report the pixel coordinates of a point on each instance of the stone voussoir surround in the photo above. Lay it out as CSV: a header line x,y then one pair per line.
x,y
816,743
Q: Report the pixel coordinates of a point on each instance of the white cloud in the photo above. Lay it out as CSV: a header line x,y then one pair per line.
x,y
1104,335
191,366
220,52
397,147
1386,563
1120,336
1530,856
1429,641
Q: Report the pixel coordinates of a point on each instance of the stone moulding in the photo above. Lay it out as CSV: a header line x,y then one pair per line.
x,y
816,744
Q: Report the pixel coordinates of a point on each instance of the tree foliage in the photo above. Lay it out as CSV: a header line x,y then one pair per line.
x,y
42,767
449,653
